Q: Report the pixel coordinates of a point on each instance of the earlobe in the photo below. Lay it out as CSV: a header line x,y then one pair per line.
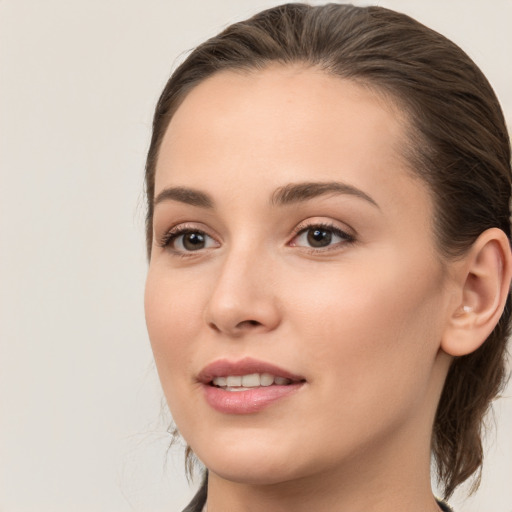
x,y
485,283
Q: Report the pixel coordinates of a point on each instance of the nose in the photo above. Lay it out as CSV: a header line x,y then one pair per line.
x,y
244,298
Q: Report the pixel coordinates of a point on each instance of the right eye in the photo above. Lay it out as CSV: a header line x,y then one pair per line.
x,y
183,240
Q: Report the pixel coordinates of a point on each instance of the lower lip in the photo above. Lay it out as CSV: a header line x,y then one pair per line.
x,y
247,402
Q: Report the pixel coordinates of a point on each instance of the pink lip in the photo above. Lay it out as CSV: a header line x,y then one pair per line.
x,y
252,400
245,366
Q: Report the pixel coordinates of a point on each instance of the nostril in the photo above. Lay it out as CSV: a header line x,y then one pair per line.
x,y
239,327
213,326
248,323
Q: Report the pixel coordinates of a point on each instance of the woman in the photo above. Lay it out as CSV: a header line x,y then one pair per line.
x,y
329,241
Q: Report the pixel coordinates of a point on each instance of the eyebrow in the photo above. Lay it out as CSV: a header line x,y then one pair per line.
x,y
286,195
185,195
299,192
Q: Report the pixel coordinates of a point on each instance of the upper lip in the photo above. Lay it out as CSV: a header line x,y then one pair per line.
x,y
246,366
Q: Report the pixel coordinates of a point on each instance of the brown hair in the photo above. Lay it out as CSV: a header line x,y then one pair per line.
x,y
458,145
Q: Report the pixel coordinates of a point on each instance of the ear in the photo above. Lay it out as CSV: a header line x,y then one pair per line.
x,y
484,277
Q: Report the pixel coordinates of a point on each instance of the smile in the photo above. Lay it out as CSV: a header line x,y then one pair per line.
x,y
252,380
246,386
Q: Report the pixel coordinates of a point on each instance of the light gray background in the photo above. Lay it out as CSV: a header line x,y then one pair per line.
x,y
80,422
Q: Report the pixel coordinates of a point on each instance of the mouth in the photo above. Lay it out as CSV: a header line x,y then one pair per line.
x,y
247,373
249,381
246,386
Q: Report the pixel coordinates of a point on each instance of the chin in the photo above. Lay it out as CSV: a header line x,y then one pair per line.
x,y
243,474
250,465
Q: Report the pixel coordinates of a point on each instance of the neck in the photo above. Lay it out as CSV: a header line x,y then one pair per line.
x,y
379,480
290,496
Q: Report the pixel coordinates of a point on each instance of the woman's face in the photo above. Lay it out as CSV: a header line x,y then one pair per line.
x,y
293,246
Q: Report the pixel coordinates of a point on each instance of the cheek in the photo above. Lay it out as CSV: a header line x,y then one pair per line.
x,y
172,321
373,332
171,311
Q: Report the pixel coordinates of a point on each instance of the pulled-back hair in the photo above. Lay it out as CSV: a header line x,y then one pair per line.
x,y
458,144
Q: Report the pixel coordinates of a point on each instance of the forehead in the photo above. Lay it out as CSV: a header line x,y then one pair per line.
x,y
289,96
285,124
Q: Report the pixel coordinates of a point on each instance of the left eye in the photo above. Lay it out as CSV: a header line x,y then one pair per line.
x,y
319,237
189,240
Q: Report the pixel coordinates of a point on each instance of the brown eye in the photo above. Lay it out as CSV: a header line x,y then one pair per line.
x,y
319,237
183,240
193,241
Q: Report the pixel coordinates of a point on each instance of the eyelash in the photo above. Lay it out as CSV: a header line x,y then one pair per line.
x,y
346,238
173,234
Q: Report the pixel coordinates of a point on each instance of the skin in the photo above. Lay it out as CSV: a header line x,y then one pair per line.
x,y
362,320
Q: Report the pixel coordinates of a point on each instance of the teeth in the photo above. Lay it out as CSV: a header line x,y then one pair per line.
x,y
252,380
266,379
221,381
232,381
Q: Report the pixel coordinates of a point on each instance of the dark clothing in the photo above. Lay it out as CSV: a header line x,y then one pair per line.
x,y
444,506
197,503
